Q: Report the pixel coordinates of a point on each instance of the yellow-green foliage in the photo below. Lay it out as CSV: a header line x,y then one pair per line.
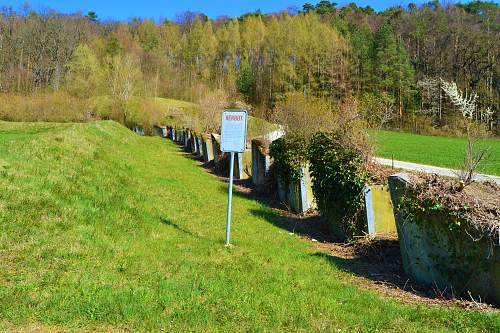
x,y
53,106
106,108
258,127
187,114
85,76
150,112
303,116
179,113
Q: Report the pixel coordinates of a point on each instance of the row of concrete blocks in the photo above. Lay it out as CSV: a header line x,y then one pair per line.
x,y
298,195
207,148
255,163
429,254
432,255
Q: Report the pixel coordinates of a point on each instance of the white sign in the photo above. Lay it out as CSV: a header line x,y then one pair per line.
x,y
234,131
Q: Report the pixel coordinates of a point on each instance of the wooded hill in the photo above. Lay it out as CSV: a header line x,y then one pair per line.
x,y
391,61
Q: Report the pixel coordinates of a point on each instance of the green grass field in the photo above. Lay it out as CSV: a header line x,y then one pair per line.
x,y
104,230
432,150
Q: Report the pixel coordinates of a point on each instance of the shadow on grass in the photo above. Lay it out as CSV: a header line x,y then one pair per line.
x,y
376,260
171,224
386,274
313,226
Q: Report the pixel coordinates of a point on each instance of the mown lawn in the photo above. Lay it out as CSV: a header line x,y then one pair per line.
x,y
104,230
433,150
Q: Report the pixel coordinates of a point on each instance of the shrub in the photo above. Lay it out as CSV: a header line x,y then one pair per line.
x,y
303,116
339,177
378,110
211,106
149,112
289,154
106,108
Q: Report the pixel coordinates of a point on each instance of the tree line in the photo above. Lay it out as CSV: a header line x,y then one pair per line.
x,y
394,61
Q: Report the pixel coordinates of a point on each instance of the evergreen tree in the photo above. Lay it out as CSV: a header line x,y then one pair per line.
x,y
362,45
393,71
325,7
246,82
92,16
113,47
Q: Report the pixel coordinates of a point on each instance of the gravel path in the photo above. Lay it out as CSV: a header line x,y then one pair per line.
x,y
432,169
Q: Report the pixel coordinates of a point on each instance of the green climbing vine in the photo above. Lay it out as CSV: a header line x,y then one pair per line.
x,y
289,154
339,179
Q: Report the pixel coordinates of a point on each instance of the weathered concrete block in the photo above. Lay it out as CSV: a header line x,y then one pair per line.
x,y
261,163
379,212
183,137
206,146
180,135
160,131
169,133
192,142
435,254
298,195
187,139
199,150
138,129
217,153
242,165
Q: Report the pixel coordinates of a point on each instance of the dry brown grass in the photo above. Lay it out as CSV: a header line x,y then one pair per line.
x,y
51,107
478,204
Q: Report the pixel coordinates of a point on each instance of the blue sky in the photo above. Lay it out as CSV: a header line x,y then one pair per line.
x,y
126,9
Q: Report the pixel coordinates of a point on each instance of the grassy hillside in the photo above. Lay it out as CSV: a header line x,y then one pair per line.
x,y
189,111
104,230
432,150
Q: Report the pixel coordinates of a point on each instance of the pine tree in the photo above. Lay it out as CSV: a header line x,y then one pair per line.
x,y
393,71
246,82
362,45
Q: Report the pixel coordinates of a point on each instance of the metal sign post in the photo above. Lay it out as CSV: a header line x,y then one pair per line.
x,y
233,140
230,201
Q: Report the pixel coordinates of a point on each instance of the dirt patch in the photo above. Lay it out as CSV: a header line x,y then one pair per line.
x,y
376,264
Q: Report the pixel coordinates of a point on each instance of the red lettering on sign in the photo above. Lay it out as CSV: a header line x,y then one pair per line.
x,y
234,118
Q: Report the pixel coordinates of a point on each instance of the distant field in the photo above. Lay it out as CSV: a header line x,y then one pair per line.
x,y
256,126
432,150
103,230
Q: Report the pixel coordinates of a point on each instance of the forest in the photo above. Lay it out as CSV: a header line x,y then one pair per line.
x,y
412,68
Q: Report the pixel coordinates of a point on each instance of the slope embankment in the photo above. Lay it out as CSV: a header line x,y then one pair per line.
x,y
105,230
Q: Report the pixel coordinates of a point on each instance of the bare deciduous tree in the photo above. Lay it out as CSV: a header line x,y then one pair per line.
x,y
473,157
211,106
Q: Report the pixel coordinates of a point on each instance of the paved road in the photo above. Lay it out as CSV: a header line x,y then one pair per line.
x,y
432,169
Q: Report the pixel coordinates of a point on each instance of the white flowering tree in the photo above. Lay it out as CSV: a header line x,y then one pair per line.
x,y
466,103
